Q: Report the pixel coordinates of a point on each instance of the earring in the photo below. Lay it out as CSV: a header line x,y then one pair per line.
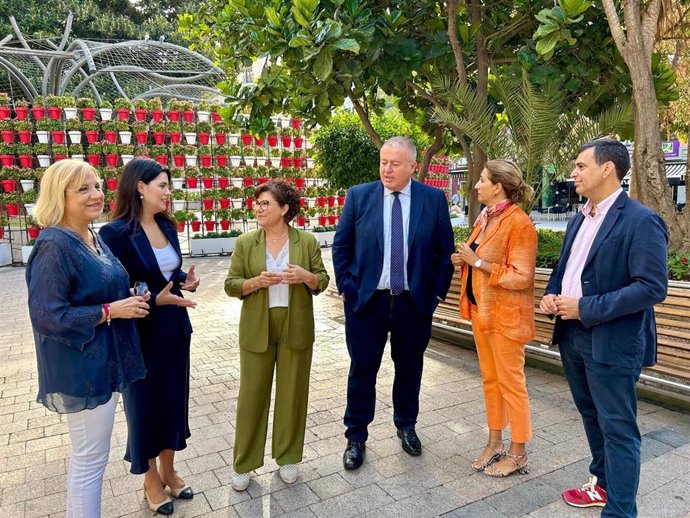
x,y
141,196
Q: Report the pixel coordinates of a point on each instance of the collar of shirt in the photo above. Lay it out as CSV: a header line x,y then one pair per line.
x,y
407,190
602,207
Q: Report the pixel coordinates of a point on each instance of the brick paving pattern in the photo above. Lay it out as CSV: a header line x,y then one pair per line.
x,y
34,443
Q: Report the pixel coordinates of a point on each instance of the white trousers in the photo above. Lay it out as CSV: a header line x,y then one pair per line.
x,y
90,432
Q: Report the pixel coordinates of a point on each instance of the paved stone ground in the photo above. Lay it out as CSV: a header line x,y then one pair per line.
x,y
34,443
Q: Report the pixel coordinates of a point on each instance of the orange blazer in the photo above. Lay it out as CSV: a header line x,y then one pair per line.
x,y
505,297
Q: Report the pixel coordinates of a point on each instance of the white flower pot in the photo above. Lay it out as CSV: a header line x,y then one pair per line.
x,y
276,120
324,238
194,205
235,161
249,160
177,184
70,113
190,138
77,157
236,182
5,254
29,208
218,245
74,137
27,185
43,160
42,136
310,163
190,160
126,137
106,113
237,203
178,205
203,116
126,159
260,160
233,140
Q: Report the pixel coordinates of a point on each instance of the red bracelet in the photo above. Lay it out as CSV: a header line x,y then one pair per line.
x,y
106,309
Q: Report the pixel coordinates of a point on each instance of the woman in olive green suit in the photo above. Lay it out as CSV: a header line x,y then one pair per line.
x,y
275,270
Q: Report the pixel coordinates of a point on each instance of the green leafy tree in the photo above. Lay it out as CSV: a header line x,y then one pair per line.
x,y
633,28
346,153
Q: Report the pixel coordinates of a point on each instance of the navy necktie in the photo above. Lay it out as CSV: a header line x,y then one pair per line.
x,y
397,248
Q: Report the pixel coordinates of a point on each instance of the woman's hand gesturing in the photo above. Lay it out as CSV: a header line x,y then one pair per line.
x,y
165,298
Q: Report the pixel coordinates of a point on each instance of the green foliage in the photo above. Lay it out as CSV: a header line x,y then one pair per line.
x,y
678,266
574,40
549,243
112,19
347,155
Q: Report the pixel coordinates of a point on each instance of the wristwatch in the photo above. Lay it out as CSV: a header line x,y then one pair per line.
x,y
478,263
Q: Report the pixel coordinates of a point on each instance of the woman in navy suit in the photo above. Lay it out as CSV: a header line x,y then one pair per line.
x,y
143,237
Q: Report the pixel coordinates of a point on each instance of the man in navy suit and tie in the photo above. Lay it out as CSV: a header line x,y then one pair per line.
x,y
391,255
612,270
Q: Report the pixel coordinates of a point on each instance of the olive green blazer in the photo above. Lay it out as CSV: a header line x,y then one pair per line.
x,y
249,260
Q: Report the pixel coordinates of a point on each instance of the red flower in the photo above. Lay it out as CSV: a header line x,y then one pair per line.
x,y
684,260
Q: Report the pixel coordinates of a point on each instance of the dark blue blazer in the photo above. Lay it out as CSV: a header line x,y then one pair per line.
x,y
358,246
131,246
625,274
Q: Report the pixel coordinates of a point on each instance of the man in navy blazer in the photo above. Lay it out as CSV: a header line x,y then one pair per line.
x,y
391,255
611,273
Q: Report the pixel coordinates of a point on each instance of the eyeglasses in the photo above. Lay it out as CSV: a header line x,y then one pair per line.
x,y
264,204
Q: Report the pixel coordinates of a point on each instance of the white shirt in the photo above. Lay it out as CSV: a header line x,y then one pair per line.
x,y
168,260
571,286
278,294
405,197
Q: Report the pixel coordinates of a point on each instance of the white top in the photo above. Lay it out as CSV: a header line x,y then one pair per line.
x,y
278,294
168,260
405,200
571,285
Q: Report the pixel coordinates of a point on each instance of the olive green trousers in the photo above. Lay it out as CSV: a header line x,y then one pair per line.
x,y
292,396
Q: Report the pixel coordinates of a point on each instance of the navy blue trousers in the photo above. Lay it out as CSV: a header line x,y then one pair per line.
x,y
605,397
366,334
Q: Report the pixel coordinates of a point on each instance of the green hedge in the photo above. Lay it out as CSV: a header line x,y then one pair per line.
x,y
548,249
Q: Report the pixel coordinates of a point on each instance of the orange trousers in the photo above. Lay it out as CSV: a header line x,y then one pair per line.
x,y
502,365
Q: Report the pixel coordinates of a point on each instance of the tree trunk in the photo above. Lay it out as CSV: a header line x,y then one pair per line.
x,y
648,180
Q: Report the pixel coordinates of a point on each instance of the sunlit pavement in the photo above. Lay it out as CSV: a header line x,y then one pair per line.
x,y
34,443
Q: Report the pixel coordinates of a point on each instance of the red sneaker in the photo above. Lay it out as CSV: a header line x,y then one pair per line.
x,y
589,495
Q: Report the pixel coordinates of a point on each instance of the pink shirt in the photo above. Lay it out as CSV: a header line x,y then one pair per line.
x,y
572,277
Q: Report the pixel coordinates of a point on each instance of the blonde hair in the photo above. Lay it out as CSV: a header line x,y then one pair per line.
x,y
50,206
508,174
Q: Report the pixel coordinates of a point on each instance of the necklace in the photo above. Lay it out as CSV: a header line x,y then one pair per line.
x,y
275,240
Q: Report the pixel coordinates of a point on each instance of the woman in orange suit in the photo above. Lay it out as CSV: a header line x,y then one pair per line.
x,y
497,266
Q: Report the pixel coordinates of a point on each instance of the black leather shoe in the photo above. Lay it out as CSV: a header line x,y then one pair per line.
x,y
410,442
354,454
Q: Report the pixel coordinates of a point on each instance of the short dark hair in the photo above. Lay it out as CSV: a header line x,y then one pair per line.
x,y
285,194
128,199
610,150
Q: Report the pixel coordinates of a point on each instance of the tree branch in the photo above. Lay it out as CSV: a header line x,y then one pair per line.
x,y
364,117
454,43
650,21
430,152
615,25
423,93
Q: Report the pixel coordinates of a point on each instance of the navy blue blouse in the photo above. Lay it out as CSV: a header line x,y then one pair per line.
x,y
80,362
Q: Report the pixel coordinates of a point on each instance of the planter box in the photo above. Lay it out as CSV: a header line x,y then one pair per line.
x,y
5,254
324,238
26,252
220,245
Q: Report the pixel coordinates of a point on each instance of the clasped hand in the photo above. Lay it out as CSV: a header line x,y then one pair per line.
x,y
464,255
568,308
293,274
